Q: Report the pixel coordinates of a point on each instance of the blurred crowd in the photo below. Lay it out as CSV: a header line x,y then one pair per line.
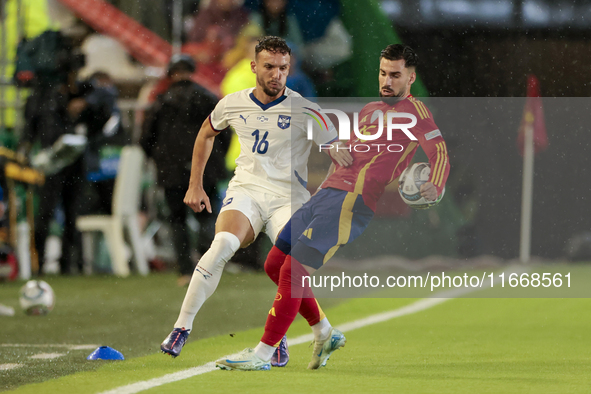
x,y
74,128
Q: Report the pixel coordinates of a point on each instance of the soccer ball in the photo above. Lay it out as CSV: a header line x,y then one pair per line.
x,y
409,185
37,298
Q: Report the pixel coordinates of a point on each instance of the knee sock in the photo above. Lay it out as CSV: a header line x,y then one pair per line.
x,y
309,308
274,262
206,277
287,301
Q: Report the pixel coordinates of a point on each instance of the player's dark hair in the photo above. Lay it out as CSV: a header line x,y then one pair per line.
x,y
272,44
398,52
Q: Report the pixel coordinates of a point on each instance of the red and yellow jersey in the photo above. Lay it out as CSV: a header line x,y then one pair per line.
x,y
376,163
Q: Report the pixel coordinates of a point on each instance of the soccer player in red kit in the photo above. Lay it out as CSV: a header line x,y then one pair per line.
x,y
343,207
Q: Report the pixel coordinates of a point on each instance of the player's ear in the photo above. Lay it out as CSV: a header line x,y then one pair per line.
x,y
253,67
413,78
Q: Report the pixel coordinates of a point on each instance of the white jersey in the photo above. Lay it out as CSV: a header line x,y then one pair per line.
x,y
274,147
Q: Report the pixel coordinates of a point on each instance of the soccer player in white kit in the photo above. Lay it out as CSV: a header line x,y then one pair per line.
x,y
269,181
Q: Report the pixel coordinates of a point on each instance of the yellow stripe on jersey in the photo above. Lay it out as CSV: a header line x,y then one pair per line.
x,y
440,164
443,165
346,210
424,109
437,166
409,149
361,176
420,112
421,109
345,221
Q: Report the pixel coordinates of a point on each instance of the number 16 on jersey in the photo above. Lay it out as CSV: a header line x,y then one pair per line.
x,y
260,144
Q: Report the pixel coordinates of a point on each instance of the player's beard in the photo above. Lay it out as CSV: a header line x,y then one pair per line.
x,y
271,92
395,95
393,99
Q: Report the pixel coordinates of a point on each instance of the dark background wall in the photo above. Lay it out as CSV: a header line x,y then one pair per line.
x,y
474,62
467,60
487,171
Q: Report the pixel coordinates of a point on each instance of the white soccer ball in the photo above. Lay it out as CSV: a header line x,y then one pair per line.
x,y
37,298
409,185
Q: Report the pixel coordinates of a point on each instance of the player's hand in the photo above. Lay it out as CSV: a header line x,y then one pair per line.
x,y
341,155
428,191
197,199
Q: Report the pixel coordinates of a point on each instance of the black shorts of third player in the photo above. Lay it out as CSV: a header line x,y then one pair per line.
x,y
330,219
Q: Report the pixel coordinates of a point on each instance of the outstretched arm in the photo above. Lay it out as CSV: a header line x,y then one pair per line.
x,y
196,198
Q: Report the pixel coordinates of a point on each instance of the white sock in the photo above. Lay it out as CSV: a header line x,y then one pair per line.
x,y
322,329
206,276
264,351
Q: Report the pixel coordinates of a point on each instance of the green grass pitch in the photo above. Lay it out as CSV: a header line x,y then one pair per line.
x,y
460,346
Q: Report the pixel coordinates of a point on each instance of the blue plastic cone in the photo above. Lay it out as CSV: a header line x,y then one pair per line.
x,y
105,353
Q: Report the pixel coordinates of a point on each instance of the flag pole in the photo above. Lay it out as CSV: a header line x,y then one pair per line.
x,y
527,194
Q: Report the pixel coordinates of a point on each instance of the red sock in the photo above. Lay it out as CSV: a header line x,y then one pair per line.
x,y
273,264
309,307
287,301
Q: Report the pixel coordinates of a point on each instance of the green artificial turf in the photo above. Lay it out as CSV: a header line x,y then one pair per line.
x,y
132,315
503,345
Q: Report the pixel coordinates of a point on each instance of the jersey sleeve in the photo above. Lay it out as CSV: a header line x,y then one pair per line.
x,y
218,119
324,131
433,144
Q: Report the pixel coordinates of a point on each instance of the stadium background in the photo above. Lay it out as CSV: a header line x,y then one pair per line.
x,y
468,49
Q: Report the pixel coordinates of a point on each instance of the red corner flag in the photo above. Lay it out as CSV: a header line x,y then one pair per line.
x,y
533,116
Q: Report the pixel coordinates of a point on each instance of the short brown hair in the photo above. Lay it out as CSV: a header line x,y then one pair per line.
x,y
272,44
398,52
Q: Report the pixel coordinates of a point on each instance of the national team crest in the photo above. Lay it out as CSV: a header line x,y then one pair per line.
x,y
284,121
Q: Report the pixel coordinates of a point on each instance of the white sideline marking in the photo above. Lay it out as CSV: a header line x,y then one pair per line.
x,y
6,367
171,377
82,347
47,356
415,307
69,347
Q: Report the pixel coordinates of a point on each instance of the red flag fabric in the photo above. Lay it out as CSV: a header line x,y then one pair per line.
x,y
533,116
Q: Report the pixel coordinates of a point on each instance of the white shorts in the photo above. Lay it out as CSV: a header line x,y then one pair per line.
x,y
266,212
